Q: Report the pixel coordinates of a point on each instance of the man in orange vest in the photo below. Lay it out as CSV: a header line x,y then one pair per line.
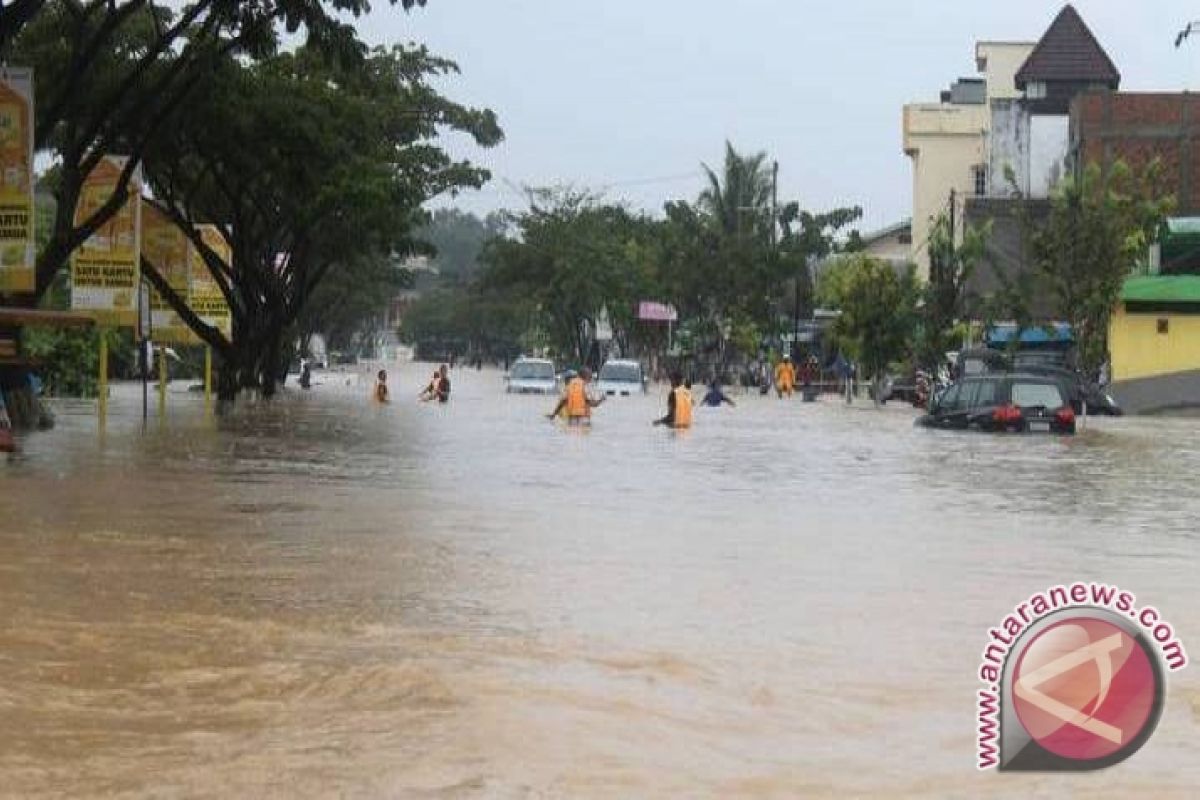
x,y
576,403
785,377
679,405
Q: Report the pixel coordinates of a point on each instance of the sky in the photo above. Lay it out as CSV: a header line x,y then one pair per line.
x,y
631,96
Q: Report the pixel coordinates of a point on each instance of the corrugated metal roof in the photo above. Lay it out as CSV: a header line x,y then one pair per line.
x,y
1161,289
1068,51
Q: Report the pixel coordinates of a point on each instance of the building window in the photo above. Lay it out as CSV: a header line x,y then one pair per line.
x,y
1035,90
1164,325
979,180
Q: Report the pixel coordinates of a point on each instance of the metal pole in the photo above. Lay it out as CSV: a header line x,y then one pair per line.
x,y
162,381
102,405
207,379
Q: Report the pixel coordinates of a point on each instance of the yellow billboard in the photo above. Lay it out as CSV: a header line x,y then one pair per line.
x,y
17,249
165,245
105,268
206,297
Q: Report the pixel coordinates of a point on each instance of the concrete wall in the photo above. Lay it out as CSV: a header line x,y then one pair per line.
x,y
1008,147
999,62
893,247
1049,145
944,142
1159,393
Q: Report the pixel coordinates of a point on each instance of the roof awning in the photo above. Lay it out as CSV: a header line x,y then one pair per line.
x,y
1161,289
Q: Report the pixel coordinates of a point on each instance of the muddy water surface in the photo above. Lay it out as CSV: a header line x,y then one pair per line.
x,y
321,597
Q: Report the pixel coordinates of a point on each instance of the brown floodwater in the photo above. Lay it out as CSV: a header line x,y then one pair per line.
x,y
319,597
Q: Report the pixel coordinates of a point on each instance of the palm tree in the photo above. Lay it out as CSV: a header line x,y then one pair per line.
x,y
739,199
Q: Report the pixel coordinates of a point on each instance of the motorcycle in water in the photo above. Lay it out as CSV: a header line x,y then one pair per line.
x,y
928,386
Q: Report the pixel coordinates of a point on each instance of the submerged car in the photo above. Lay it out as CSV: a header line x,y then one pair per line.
x,y
532,376
1047,363
619,377
1018,402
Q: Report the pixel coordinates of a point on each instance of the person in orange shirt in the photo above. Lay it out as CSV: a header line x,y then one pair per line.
x,y
381,387
576,403
679,405
785,377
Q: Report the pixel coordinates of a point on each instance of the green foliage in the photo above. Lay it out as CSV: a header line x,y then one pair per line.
x,y
878,309
946,300
349,307
68,360
572,258
738,200
319,168
1100,226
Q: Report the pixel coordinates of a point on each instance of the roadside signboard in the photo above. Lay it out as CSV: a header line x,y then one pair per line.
x,y
649,311
17,249
166,246
105,268
206,297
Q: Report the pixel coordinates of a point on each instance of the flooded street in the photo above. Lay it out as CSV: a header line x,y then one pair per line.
x,y
319,597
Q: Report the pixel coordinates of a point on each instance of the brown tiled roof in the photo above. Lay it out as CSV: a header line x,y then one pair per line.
x,y
1068,51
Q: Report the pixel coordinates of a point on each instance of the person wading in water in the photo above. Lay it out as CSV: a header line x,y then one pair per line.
x,y
577,402
679,405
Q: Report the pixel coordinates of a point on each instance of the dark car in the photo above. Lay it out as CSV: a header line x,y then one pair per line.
x,y
1018,402
980,360
1051,364
1081,389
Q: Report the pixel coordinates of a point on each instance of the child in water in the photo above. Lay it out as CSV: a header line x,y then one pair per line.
x,y
381,389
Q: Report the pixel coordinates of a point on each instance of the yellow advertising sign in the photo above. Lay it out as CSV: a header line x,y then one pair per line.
x,y
165,245
105,268
16,180
206,297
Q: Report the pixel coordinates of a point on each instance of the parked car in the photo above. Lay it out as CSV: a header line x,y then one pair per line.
x,y
979,361
618,377
1015,401
1080,388
532,376
1050,363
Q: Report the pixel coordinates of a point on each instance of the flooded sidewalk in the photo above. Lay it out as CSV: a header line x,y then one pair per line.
x,y
319,596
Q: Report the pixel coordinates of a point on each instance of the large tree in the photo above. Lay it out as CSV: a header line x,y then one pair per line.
x,y
110,77
573,257
946,296
309,165
1100,226
878,308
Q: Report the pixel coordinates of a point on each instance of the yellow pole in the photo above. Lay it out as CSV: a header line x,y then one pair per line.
x,y
207,379
102,406
162,381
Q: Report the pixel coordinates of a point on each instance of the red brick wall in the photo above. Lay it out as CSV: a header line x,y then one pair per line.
x,y
1137,128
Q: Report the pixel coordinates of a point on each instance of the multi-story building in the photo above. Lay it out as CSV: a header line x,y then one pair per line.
x,y
1008,135
947,140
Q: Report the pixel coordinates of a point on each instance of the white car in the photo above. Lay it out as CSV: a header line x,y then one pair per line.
x,y
532,376
621,378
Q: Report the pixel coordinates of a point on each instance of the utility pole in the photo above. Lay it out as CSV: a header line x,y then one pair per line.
x,y
952,208
774,201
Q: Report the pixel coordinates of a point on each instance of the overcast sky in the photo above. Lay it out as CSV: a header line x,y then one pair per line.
x,y
633,95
